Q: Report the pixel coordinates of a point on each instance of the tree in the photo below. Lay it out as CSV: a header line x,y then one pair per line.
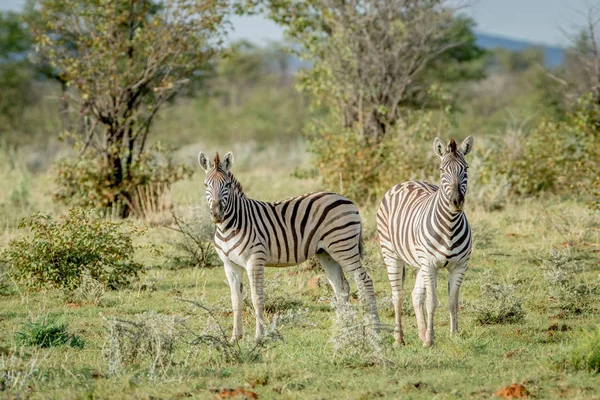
x,y
371,57
16,73
125,59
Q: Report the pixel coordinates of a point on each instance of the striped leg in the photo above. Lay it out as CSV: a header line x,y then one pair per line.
x,y
352,266
455,279
336,277
430,278
256,275
418,299
395,270
234,277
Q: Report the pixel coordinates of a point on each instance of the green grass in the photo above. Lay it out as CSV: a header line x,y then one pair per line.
x,y
475,364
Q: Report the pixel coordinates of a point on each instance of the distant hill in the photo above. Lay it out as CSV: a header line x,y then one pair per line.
x,y
553,55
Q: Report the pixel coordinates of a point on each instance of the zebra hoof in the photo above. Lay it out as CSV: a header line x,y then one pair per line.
x,y
427,344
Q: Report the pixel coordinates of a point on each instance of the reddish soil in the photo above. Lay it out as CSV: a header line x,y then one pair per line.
x,y
514,391
236,393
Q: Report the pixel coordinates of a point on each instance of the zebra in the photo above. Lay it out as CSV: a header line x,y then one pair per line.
x,y
252,234
425,226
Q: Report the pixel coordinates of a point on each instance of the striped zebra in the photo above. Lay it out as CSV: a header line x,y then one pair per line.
x,y
253,234
425,226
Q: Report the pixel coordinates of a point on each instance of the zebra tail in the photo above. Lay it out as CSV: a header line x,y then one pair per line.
x,y
361,244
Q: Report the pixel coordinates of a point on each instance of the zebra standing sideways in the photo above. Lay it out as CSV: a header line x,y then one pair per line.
x,y
425,226
253,234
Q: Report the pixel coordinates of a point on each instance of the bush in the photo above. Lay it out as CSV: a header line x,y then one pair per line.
x,y
556,156
59,253
584,354
569,293
16,371
90,181
151,338
497,304
195,242
47,332
364,170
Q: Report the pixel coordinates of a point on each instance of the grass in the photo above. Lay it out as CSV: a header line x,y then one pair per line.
x,y
306,362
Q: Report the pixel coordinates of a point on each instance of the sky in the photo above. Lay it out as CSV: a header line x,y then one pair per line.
x,y
538,21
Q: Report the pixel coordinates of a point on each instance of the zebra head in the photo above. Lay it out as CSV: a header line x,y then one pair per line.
x,y
453,168
218,182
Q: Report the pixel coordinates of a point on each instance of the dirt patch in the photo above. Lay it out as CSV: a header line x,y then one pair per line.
x,y
514,391
314,283
238,393
559,328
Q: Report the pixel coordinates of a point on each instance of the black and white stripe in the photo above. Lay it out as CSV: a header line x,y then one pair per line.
x,y
252,234
425,226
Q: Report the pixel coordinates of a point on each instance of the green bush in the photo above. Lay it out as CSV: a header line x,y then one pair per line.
x,y
90,181
497,304
584,354
47,332
556,156
363,170
59,253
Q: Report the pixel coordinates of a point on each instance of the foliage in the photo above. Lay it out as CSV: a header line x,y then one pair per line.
x,y
373,58
498,304
569,293
59,253
363,170
47,332
126,61
91,181
195,240
556,156
16,74
584,353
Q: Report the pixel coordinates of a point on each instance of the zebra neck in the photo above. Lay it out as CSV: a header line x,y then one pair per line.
x,y
444,217
235,213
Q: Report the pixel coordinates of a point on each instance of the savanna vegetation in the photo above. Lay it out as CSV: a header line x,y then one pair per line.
x,y
110,286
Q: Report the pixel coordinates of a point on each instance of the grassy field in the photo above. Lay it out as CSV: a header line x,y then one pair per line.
x,y
314,357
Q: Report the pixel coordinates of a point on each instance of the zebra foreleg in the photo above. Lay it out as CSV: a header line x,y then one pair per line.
x,y
256,274
234,275
418,300
395,270
430,278
455,278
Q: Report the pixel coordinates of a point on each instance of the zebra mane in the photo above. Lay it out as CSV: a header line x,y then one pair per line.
x,y
451,146
236,185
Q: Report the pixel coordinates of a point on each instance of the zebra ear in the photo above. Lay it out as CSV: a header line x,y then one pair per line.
x,y
439,147
466,146
227,161
203,161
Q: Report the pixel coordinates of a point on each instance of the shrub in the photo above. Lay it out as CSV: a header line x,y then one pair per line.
x,y
497,304
555,156
59,253
363,170
90,181
151,339
47,332
355,340
16,371
584,353
569,293
195,242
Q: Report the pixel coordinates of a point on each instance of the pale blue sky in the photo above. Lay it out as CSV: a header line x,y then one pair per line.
x,y
541,21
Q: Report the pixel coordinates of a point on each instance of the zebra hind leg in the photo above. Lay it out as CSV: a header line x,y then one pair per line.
x,y
336,277
352,266
418,300
395,270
